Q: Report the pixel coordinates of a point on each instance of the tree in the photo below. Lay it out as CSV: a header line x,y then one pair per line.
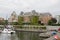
x,y
52,21
6,22
39,22
14,23
20,19
2,22
34,20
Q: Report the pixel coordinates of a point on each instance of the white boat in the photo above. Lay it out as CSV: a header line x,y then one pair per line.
x,y
8,30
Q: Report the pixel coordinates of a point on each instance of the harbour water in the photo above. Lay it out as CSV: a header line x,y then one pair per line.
x,y
8,37
20,36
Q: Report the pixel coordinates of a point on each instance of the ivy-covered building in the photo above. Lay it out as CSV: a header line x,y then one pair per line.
x,y
32,17
29,17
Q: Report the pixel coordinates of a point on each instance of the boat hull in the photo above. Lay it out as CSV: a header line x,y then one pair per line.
x,y
8,32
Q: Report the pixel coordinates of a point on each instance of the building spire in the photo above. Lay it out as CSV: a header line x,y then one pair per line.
x,y
13,13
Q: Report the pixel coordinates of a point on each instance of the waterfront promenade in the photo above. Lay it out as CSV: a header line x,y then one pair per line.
x,y
31,30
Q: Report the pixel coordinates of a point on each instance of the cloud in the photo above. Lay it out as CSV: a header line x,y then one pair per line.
x,y
7,6
26,3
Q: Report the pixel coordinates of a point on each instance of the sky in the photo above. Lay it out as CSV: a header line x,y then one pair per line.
x,y
8,6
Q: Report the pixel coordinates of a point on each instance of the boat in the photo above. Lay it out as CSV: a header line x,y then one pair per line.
x,y
44,35
8,30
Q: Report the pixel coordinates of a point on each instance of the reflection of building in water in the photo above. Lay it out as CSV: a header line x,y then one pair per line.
x,y
13,17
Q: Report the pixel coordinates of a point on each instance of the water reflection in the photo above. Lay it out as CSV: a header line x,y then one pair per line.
x,y
8,37
20,36
28,36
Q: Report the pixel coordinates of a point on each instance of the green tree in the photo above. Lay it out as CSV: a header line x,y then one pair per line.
x,y
20,19
6,22
34,20
52,21
2,22
15,23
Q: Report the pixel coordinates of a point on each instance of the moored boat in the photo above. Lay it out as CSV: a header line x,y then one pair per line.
x,y
8,29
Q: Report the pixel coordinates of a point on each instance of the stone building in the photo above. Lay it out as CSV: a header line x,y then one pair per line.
x,y
1,19
13,17
45,17
27,16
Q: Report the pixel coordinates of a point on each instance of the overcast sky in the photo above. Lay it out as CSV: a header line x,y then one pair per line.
x,y
8,6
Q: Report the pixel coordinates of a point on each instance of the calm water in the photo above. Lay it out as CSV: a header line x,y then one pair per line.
x,y
8,37
20,36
